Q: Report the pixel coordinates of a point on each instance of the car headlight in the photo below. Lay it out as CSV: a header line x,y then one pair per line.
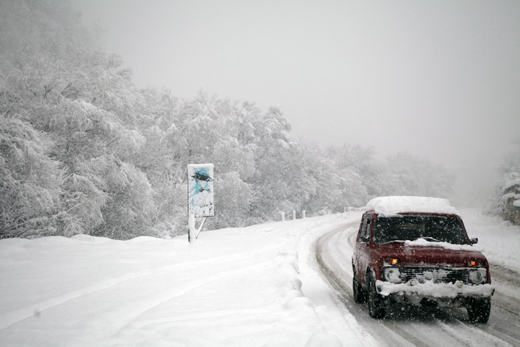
x,y
391,261
477,263
478,276
392,274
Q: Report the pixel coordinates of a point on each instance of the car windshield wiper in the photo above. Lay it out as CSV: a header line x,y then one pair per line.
x,y
393,241
428,238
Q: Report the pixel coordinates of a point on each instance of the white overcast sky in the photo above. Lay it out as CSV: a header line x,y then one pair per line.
x,y
440,79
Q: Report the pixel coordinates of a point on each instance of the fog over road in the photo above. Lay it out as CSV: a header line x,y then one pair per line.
x,y
412,326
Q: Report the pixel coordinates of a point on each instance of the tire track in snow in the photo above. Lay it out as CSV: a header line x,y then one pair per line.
x,y
481,338
324,260
400,330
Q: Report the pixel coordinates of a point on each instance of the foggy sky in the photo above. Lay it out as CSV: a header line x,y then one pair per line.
x,y
439,79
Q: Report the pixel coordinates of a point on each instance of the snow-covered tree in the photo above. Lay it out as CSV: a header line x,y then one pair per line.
x,y
29,183
361,167
506,201
57,84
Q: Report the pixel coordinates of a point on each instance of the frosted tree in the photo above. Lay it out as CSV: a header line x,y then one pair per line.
x,y
162,159
360,161
202,130
506,200
84,102
29,183
339,185
278,176
211,130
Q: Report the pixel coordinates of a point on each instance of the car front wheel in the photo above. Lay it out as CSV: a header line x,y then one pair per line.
x,y
479,310
358,290
376,302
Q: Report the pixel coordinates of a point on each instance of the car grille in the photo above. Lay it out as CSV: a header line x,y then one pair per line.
x,y
435,274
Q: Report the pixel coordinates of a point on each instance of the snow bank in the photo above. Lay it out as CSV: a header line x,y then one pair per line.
x,y
393,205
255,286
498,240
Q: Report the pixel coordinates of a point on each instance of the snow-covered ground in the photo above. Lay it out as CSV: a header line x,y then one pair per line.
x,y
499,240
232,287
255,286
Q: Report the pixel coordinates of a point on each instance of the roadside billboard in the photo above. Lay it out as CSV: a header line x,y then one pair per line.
x,y
200,190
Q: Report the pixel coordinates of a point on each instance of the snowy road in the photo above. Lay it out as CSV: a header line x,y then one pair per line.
x,y
418,326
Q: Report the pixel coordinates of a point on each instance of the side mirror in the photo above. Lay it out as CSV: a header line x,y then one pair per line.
x,y
474,240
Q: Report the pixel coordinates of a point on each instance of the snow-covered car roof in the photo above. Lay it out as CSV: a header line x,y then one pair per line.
x,y
393,205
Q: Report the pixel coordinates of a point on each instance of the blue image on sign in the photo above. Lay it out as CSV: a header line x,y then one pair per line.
x,y
200,180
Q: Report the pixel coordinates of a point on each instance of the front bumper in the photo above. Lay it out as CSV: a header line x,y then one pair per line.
x,y
414,291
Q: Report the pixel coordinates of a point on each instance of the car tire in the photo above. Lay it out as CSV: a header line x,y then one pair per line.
x,y
376,302
479,310
360,296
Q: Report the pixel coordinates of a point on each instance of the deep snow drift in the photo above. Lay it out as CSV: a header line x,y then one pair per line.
x,y
256,286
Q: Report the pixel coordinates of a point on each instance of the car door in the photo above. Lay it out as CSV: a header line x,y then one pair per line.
x,y
362,247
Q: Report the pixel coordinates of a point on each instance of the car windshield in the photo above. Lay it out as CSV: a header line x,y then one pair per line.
x,y
412,227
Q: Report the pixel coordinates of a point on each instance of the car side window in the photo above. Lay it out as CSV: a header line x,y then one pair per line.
x,y
366,228
362,227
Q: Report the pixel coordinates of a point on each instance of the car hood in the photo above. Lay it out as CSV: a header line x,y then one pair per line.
x,y
438,255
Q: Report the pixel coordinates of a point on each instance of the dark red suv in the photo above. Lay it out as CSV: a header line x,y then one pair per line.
x,y
415,250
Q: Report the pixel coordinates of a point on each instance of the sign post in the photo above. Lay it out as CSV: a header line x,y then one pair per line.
x,y
200,197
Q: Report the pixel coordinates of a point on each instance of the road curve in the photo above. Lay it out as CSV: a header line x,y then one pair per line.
x,y
412,326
